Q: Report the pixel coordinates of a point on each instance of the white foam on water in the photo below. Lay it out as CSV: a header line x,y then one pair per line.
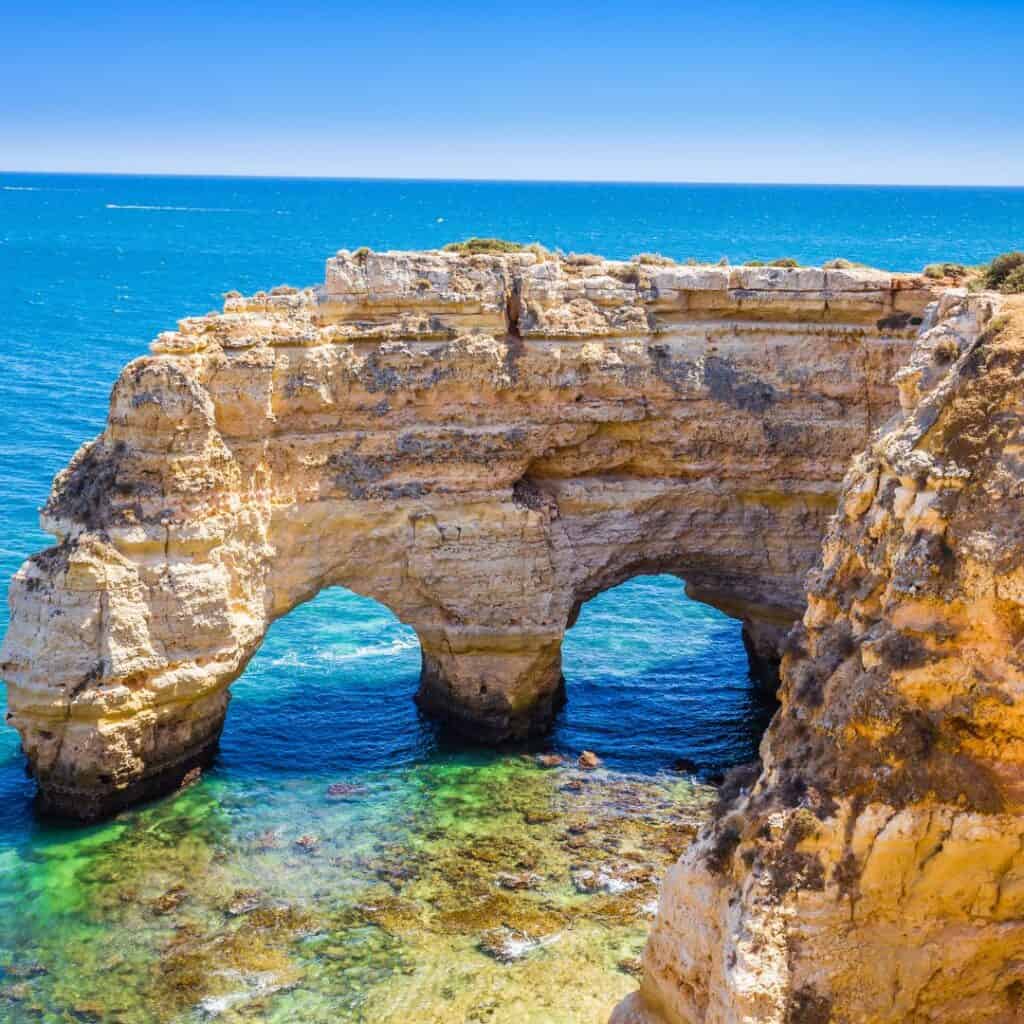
x,y
262,983
516,949
336,657
177,209
614,886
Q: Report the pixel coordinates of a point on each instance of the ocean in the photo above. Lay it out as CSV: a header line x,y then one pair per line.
x,y
445,883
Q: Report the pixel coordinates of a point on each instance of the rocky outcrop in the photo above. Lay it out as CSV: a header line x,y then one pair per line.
x,y
482,443
873,870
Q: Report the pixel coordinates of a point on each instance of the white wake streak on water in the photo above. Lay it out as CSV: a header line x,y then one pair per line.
x,y
335,657
177,209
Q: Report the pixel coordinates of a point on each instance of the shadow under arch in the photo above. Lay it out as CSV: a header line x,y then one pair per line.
x,y
655,678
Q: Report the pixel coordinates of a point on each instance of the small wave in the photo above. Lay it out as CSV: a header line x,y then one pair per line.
x,y
176,209
36,188
256,985
334,657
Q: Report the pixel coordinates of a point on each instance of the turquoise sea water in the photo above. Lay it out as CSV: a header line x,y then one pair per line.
x,y
255,895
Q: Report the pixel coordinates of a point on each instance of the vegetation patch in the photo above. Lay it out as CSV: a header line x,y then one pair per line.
x,y
726,838
1006,273
790,868
654,259
474,246
940,271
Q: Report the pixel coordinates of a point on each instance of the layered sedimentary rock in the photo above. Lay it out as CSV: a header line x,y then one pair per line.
x,y
873,871
482,443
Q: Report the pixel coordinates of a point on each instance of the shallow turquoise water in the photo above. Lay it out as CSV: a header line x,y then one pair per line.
x,y
255,895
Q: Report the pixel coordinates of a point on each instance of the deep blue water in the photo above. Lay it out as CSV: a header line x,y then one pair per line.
x,y
91,268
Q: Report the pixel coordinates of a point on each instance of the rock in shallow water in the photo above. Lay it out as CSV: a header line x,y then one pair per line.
x,y
506,945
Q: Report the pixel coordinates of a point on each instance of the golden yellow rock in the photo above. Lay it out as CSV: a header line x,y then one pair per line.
x,y
873,869
480,442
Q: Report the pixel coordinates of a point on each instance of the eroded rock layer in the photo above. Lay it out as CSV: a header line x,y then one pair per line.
x,y
873,871
481,443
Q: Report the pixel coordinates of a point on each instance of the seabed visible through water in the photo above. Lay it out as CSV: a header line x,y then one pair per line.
x,y
491,891
343,862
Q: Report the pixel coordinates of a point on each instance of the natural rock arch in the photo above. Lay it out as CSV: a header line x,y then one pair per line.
x,y
480,443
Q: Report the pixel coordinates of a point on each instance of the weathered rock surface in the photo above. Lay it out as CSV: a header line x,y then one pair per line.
x,y
482,443
873,871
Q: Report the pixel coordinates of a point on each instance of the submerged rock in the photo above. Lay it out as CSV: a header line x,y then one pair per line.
x,y
243,901
170,900
346,790
251,987
507,945
518,882
608,880
633,965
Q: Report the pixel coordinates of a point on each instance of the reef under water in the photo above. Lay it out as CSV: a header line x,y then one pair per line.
x,y
346,861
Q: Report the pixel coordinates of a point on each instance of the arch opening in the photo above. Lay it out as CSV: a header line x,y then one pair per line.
x,y
329,690
656,679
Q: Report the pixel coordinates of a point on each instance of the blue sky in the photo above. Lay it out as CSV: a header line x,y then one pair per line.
x,y
872,92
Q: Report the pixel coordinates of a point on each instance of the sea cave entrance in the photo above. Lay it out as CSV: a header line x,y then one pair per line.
x,y
655,679
329,690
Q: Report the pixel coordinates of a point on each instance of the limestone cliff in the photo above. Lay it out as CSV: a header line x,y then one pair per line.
x,y
481,442
874,871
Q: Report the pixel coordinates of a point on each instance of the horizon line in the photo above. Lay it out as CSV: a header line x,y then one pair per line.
x,y
506,181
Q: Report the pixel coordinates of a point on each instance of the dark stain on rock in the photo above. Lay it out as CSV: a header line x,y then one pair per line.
x,y
807,1006
85,491
727,384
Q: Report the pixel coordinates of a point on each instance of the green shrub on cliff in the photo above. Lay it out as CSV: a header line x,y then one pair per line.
x,y
1006,273
1013,283
473,246
785,261
653,259
937,271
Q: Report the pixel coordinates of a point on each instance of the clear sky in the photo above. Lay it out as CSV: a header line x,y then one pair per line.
x,y
867,92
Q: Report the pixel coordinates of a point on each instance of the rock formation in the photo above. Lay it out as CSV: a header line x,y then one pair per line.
x,y
480,442
873,869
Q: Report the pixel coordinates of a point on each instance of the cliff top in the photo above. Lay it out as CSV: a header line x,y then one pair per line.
x,y
531,292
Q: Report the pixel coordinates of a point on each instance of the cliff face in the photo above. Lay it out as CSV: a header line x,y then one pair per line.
x,y
481,443
874,871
